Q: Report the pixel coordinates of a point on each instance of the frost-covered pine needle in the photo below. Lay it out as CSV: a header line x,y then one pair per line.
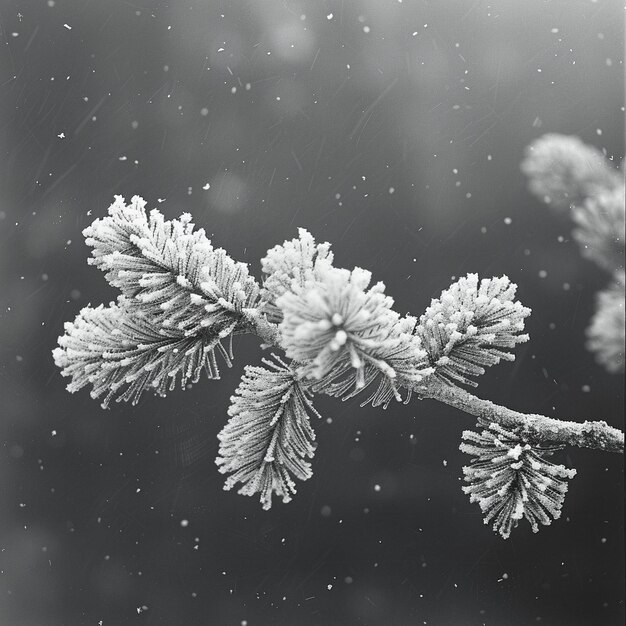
x,y
120,352
347,335
606,331
170,270
288,267
268,437
510,479
472,325
563,171
181,297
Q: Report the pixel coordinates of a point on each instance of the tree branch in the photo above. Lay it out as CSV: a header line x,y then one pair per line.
x,y
538,428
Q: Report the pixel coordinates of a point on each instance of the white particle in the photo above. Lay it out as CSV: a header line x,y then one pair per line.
x,y
329,16
508,221
184,523
67,26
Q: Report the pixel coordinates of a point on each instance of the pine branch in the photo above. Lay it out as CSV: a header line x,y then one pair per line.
x,y
563,171
536,429
605,334
471,326
289,267
268,437
169,269
181,298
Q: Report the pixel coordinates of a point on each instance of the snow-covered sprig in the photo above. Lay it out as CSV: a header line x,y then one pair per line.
x,y
181,298
171,271
121,352
472,325
511,479
346,335
268,438
606,332
288,267
600,228
564,171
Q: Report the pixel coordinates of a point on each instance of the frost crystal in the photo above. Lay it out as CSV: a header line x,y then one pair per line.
x,y
347,335
511,479
600,229
290,266
268,437
564,171
472,326
606,331
118,346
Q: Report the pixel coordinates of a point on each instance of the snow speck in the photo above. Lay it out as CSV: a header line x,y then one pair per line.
x,y
67,26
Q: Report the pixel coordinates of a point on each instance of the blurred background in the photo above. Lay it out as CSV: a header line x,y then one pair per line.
x,y
393,129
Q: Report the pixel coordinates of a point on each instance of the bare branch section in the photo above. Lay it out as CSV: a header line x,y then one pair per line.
x,y
537,428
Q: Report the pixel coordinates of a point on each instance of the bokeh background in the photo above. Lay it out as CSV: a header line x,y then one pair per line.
x,y
393,129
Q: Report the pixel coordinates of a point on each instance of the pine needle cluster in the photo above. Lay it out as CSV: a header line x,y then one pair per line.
x,y
510,479
566,174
